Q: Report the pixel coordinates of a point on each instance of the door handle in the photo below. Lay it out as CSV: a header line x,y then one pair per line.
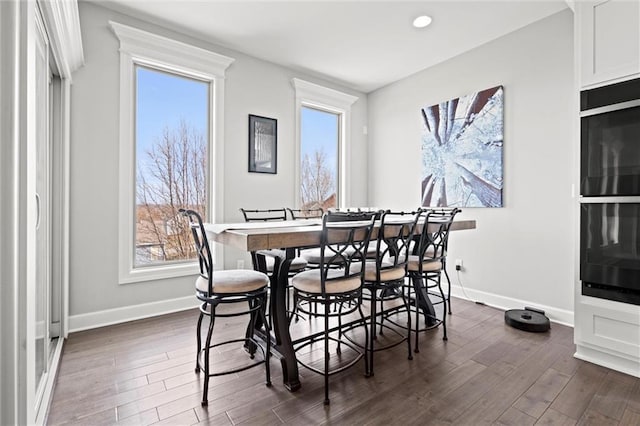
x,y
37,211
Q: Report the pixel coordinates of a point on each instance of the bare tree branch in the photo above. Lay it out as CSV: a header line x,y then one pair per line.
x,y
317,182
173,177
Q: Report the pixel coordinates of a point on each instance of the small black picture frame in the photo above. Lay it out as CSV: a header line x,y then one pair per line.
x,y
263,144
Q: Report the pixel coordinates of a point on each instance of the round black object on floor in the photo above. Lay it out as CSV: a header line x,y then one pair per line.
x,y
527,320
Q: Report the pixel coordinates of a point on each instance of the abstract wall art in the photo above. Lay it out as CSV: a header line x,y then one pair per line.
x,y
462,151
263,144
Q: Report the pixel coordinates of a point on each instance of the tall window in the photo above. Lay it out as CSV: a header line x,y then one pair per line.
x,y
171,119
172,144
319,154
323,130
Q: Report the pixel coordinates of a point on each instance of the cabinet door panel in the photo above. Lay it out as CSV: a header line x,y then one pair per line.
x,y
610,36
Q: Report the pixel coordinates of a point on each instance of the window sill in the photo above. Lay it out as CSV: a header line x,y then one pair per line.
x,y
153,273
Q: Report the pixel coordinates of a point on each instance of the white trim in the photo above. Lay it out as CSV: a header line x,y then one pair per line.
x,y
313,95
323,96
65,148
150,273
559,316
27,213
44,174
606,358
130,313
47,394
141,47
147,45
63,23
571,4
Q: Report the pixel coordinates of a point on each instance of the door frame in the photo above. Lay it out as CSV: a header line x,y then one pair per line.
x,y
17,204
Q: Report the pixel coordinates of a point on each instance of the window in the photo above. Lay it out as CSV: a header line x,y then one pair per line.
x,y
319,150
172,144
171,105
322,122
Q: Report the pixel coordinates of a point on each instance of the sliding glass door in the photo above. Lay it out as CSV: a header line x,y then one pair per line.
x,y
43,197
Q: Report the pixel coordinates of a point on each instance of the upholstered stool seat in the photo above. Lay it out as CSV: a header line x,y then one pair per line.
x,y
387,273
314,257
297,264
428,265
233,281
430,252
310,282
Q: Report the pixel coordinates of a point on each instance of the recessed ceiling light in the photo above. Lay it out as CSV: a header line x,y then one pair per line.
x,y
422,21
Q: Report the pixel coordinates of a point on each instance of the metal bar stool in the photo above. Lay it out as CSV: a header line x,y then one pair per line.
x,y
330,286
425,269
215,288
385,274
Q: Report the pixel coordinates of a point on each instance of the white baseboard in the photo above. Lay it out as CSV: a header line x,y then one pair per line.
x,y
129,313
559,316
134,312
614,361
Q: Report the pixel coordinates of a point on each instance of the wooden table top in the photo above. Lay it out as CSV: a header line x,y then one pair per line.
x,y
280,235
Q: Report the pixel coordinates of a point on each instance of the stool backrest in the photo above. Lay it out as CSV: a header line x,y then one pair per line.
x,y
344,241
265,215
393,242
305,213
205,259
434,238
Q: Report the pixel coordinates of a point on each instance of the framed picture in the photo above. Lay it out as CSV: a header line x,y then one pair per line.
x,y
263,144
462,141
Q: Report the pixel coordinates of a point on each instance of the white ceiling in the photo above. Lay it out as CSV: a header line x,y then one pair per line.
x,y
361,44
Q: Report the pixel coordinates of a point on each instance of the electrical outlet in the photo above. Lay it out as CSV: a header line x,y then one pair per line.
x,y
240,264
458,264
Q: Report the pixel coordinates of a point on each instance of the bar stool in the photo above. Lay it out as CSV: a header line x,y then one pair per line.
x,y
446,213
215,288
329,286
270,215
311,213
384,276
425,268
267,263
311,256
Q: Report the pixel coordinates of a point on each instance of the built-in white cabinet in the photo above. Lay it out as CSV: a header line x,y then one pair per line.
x,y
607,51
608,333
609,40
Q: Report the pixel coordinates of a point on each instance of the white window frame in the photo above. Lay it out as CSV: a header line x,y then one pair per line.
x,y
139,47
313,95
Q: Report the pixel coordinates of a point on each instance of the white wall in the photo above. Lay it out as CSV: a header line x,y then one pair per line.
x,y
522,253
252,87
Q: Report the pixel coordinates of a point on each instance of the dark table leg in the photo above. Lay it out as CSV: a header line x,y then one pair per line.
x,y
282,346
423,300
280,322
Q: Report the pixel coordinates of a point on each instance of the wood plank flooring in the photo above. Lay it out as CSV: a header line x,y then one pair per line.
x,y
142,373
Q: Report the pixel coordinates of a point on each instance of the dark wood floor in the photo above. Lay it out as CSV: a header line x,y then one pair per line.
x,y
142,373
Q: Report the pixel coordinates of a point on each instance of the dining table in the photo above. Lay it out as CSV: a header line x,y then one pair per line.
x,y
282,240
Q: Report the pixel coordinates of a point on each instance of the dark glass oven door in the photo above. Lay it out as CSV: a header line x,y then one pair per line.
x,y
610,249
610,151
